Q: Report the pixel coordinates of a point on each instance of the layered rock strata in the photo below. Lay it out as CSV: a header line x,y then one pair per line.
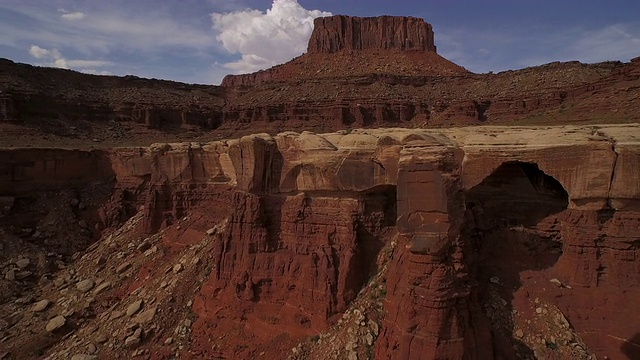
x,y
350,33
359,72
77,108
297,220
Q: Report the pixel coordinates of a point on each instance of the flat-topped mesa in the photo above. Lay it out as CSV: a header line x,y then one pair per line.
x,y
387,45
336,33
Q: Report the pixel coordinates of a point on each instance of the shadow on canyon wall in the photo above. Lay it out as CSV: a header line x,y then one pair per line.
x,y
510,226
631,348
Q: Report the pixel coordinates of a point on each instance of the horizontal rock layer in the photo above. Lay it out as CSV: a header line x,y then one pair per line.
x,y
337,33
301,218
80,109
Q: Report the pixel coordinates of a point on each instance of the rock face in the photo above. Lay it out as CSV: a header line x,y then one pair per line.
x,y
358,73
22,171
337,33
483,218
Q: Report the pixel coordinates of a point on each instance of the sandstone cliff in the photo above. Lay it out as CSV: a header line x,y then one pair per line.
x,y
349,33
491,232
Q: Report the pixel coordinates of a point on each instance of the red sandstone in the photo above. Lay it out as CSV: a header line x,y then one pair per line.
x,y
340,33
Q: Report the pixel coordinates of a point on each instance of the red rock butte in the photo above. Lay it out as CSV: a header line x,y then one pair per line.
x,y
348,46
336,33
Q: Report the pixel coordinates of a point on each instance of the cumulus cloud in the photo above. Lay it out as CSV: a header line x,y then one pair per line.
x,y
73,16
264,39
40,53
53,57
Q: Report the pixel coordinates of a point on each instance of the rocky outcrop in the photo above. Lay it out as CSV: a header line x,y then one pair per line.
x,y
284,232
350,33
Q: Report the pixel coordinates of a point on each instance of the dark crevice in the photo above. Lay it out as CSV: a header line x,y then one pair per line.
x,y
613,174
509,229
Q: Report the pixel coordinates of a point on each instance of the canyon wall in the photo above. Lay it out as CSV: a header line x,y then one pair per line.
x,y
298,220
428,93
28,170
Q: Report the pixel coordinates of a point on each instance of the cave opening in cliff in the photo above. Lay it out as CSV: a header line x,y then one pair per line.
x,y
512,233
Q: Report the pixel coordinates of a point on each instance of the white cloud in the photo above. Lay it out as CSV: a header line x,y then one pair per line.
x,y
95,72
73,16
38,52
111,29
54,58
265,39
250,61
167,40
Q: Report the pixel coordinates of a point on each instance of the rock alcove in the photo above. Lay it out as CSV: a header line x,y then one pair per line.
x,y
511,225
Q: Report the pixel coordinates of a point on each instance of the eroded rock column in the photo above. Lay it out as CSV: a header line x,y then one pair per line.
x,y
430,310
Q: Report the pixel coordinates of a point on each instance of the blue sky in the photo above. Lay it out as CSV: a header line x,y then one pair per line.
x,y
199,41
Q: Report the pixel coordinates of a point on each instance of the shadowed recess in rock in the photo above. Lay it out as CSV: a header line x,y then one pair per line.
x,y
510,228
